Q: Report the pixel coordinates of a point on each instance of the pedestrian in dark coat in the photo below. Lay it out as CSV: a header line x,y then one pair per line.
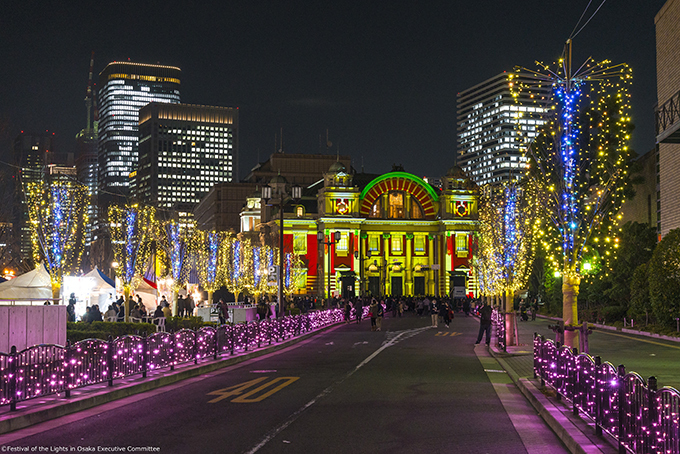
x,y
485,323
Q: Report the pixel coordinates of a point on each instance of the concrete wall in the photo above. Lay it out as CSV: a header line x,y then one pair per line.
x,y
24,326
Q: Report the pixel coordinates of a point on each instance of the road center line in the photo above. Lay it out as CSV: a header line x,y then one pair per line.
x,y
274,432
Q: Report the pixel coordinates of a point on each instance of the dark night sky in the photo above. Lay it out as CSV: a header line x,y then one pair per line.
x,y
381,76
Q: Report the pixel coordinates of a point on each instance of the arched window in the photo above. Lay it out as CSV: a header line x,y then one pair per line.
x,y
396,205
376,210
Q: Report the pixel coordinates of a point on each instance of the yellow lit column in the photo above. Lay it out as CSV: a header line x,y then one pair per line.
x,y
431,283
409,265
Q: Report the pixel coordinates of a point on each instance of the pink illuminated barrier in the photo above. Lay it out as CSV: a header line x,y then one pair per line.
x,y
498,320
41,370
641,417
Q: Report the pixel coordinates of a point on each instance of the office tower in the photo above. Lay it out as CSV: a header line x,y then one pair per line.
x,y
30,156
184,150
668,116
489,121
125,88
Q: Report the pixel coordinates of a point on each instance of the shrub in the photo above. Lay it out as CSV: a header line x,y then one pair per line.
x,y
664,279
77,331
177,323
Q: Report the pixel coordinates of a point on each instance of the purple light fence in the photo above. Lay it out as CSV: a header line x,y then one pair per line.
x,y
641,418
41,370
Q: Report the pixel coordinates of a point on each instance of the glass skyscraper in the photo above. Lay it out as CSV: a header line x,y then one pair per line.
x,y
490,120
125,88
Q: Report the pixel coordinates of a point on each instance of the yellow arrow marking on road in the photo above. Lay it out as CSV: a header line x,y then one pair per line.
x,y
238,390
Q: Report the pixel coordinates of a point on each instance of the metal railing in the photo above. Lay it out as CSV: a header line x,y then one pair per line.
x,y
42,370
667,114
642,418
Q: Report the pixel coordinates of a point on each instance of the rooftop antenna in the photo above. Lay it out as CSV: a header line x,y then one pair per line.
x,y
281,138
329,144
338,151
362,163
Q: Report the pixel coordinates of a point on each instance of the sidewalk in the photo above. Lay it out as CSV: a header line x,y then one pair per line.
x,y
576,433
35,411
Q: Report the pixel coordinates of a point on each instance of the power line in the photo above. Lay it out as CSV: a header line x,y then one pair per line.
x,y
591,17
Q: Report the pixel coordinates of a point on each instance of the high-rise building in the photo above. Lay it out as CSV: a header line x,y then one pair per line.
x,y
125,88
668,116
491,116
184,150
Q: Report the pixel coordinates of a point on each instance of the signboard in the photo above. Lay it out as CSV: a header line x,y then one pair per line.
x,y
458,292
273,275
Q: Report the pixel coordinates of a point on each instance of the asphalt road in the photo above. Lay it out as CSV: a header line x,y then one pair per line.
x,y
406,389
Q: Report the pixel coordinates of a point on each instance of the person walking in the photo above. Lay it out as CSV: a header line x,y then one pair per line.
x,y
434,312
484,324
445,312
359,310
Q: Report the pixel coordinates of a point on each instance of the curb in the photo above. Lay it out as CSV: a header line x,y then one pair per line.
x,y
623,330
73,405
572,436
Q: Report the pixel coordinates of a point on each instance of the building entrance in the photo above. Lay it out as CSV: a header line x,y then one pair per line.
x,y
419,285
374,285
396,286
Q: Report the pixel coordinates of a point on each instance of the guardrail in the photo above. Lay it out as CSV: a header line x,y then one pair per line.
x,y
642,418
41,370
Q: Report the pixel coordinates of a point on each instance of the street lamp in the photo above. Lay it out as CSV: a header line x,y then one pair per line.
x,y
332,239
278,184
358,255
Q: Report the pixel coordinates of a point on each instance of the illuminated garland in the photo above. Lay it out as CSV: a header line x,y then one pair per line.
x,y
178,243
208,247
57,213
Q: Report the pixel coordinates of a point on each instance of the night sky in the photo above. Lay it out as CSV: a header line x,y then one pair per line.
x,y
382,77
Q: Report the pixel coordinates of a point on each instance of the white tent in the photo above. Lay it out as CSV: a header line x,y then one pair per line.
x,y
102,287
34,286
148,294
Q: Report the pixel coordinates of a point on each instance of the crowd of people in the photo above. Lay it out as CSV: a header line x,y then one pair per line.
x,y
116,310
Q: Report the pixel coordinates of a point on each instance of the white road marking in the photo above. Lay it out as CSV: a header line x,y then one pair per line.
x,y
388,343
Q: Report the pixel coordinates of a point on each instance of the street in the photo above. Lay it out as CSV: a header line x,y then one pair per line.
x,y
408,388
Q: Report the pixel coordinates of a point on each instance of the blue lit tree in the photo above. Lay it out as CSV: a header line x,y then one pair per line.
x,y
580,163
57,214
505,244
176,240
210,263
132,230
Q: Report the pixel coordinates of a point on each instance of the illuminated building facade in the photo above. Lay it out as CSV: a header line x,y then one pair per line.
x,y
184,150
125,88
491,118
397,234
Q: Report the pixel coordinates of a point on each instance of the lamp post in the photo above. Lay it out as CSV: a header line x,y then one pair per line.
x,y
332,239
279,185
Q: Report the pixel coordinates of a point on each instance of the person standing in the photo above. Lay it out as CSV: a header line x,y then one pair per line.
x,y
359,310
381,313
444,312
373,312
434,312
484,324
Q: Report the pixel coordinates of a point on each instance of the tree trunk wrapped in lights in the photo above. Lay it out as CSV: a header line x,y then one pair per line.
x,y
580,160
210,263
57,213
132,234
176,241
506,244
294,270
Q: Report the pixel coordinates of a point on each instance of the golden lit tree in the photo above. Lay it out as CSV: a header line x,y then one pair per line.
x,y
579,161
207,246
57,214
132,234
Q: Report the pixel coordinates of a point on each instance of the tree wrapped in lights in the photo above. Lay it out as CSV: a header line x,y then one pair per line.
x,y
237,254
580,161
506,243
57,214
176,241
208,246
132,234
294,270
